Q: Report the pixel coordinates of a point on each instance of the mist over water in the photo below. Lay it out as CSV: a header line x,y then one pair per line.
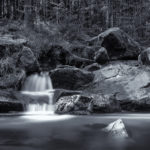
x,y
39,85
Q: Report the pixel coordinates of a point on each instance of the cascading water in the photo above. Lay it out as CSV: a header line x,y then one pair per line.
x,y
39,85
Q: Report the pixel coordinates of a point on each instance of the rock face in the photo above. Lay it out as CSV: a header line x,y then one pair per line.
x,y
101,56
70,78
28,61
75,104
117,130
119,45
144,57
92,67
127,81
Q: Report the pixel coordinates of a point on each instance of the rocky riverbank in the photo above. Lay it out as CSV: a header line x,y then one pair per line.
x,y
113,76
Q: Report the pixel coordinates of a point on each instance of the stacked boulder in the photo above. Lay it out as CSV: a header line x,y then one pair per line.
x,y
116,45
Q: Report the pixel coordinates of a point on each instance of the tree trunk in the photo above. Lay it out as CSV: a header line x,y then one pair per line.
x,y
28,18
1,9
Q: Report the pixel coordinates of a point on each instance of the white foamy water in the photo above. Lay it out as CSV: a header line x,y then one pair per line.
x,y
38,82
39,85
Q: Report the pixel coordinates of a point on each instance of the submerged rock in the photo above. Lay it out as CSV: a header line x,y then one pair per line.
x,y
70,78
116,129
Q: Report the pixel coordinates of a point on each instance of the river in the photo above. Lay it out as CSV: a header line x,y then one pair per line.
x,y
67,132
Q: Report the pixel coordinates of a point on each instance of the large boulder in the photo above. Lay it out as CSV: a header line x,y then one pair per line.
x,y
119,45
144,57
70,78
75,104
129,83
28,61
101,56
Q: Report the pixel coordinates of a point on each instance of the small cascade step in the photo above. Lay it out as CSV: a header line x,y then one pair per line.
x,y
39,84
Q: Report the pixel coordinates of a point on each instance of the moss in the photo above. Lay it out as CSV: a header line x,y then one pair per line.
x,y
13,80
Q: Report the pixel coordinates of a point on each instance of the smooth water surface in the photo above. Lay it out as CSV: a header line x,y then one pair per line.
x,y
65,132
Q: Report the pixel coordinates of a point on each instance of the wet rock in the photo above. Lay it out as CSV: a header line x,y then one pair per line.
x,y
119,45
117,130
70,78
28,61
62,92
101,56
82,103
144,57
92,67
9,103
75,104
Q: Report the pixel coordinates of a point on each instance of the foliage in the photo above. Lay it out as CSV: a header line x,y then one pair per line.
x,y
7,66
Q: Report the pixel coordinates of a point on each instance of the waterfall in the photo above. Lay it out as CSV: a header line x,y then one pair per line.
x,y
39,85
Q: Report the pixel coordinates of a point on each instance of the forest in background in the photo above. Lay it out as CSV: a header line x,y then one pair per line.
x,y
74,22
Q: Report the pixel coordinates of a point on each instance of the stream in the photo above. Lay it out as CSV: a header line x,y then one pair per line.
x,y
67,132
